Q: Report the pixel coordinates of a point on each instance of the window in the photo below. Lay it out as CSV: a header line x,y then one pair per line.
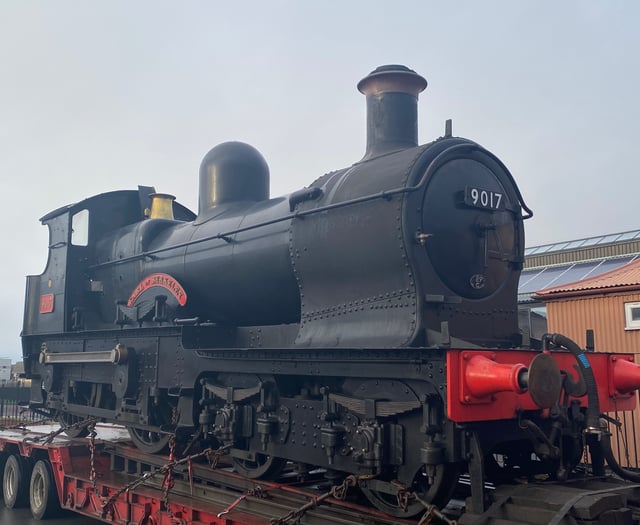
x,y
80,228
632,316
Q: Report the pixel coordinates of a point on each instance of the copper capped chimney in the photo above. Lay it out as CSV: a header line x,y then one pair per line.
x,y
392,108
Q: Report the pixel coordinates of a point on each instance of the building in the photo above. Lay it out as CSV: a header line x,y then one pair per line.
x,y
17,371
609,305
556,264
5,371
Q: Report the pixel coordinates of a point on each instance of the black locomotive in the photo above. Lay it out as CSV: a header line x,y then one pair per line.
x,y
365,324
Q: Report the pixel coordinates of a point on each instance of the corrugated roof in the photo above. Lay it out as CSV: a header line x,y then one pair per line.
x,y
626,277
582,243
534,279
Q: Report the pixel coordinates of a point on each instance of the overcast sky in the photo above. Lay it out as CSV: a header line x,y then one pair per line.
x,y
98,96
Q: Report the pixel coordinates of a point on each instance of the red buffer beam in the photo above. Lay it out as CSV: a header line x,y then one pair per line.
x,y
486,385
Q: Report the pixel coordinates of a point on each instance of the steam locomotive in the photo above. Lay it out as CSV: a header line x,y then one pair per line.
x,y
366,324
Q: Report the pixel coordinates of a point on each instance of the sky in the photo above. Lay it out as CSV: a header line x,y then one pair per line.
x,y
99,96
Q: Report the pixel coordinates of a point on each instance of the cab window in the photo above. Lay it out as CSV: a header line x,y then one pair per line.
x,y
80,228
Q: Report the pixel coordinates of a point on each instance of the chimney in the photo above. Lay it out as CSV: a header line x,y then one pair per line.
x,y
392,108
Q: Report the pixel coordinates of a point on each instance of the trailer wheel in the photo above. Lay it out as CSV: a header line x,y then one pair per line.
x,y
43,496
15,482
3,462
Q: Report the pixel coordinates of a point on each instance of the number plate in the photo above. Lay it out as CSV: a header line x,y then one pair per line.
x,y
486,199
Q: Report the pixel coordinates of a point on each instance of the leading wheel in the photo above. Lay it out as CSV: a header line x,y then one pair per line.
x,y
15,482
69,422
43,497
384,494
149,441
162,415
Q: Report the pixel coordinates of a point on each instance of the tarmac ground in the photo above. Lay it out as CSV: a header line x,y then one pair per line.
x,y
24,517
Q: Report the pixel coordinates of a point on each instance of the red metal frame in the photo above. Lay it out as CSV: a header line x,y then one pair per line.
x,y
464,406
209,504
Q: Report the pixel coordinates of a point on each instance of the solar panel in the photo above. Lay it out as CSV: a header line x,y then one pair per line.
x,y
532,281
582,243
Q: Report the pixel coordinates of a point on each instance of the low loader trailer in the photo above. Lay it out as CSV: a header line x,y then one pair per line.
x,y
106,478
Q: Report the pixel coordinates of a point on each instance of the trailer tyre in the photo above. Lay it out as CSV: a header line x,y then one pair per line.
x,y
15,482
3,462
43,497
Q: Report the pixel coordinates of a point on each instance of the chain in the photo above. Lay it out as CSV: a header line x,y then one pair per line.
x,y
258,492
22,425
92,456
194,439
93,475
51,436
337,492
340,491
402,495
432,514
167,481
207,453
213,456
585,454
18,426
623,437
48,438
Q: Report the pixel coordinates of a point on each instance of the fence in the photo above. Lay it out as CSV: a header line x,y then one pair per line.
x,y
14,409
623,438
